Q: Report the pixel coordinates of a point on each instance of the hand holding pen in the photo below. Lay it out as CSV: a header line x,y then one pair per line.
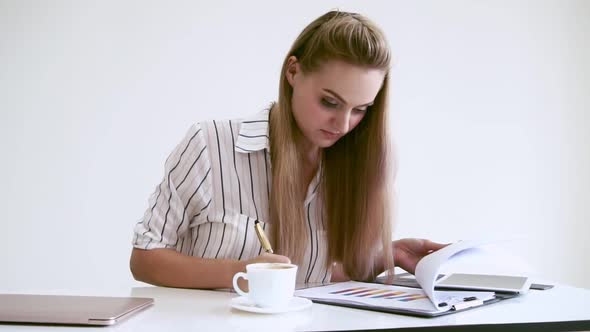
x,y
268,256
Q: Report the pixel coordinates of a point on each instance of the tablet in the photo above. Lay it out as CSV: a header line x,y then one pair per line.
x,y
485,282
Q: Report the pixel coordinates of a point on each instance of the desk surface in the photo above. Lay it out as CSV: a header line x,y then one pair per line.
x,y
562,308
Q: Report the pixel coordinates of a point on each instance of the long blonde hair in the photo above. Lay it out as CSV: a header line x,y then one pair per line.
x,y
355,169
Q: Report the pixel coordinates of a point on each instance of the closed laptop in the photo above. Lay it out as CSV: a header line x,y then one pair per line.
x,y
69,310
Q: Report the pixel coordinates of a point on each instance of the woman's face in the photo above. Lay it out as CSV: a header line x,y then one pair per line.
x,y
330,102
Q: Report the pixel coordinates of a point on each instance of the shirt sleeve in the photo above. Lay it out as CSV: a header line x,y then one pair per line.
x,y
182,198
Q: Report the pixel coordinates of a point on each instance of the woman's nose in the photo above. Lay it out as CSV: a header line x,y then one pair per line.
x,y
342,121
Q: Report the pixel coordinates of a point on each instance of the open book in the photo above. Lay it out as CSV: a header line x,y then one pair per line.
x,y
426,301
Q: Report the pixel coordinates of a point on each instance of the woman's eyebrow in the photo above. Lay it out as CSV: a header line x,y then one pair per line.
x,y
342,99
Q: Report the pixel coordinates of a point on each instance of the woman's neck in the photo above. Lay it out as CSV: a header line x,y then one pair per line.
x,y
310,154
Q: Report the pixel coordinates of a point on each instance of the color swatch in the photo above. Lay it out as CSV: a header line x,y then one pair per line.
x,y
374,293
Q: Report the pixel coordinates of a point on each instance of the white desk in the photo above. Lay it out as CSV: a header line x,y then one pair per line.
x,y
562,308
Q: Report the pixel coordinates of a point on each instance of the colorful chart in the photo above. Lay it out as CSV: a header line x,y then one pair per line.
x,y
374,293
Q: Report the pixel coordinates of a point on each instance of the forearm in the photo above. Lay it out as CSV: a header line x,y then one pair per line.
x,y
166,267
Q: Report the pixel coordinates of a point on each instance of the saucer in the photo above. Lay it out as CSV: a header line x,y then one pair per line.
x,y
296,304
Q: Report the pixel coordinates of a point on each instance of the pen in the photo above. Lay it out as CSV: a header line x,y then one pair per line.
x,y
262,238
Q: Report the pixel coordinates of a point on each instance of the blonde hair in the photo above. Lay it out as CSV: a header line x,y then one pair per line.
x,y
354,170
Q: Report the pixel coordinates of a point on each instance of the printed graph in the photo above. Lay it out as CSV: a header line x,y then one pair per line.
x,y
375,293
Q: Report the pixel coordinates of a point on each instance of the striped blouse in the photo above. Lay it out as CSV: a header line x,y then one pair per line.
x,y
217,183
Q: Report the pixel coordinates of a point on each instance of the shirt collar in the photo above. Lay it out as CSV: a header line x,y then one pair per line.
x,y
253,135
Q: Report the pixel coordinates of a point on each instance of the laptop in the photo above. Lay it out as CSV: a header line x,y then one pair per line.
x,y
69,310
485,282
477,282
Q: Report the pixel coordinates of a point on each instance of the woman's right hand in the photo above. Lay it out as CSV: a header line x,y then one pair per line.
x,y
268,258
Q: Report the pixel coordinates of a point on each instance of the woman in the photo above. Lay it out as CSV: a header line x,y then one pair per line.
x,y
313,169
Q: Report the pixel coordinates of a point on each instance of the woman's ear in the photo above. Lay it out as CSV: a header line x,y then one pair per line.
x,y
293,69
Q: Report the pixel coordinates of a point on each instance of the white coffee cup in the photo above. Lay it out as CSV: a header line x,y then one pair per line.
x,y
269,284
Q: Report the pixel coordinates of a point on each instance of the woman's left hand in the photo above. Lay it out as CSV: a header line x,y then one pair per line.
x,y
407,252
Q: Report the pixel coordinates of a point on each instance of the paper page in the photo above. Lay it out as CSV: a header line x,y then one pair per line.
x,y
369,294
428,267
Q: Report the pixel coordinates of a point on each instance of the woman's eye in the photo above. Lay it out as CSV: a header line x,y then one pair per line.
x,y
360,110
329,103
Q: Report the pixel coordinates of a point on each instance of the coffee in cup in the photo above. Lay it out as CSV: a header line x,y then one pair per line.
x,y
269,284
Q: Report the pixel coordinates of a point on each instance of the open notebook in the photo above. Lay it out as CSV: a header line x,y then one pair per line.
x,y
424,302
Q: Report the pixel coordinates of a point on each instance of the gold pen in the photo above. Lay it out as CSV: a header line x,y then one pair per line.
x,y
262,238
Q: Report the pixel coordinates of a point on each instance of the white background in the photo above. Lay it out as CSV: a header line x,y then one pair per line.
x,y
489,99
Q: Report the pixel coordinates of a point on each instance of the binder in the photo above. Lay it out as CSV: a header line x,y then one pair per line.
x,y
398,299
425,301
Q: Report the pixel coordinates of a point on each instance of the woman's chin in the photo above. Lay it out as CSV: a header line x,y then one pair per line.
x,y
326,143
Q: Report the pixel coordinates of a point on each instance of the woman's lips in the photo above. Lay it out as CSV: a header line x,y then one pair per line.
x,y
330,134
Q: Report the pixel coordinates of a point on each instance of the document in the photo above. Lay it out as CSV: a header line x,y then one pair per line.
x,y
422,302
394,298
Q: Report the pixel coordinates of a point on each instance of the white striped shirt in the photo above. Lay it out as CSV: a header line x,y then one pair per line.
x,y
217,183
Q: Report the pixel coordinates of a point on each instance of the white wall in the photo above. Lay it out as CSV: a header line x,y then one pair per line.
x,y
490,115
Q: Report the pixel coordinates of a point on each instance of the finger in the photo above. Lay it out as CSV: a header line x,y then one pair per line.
x,y
266,255
284,259
275,258
433,246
